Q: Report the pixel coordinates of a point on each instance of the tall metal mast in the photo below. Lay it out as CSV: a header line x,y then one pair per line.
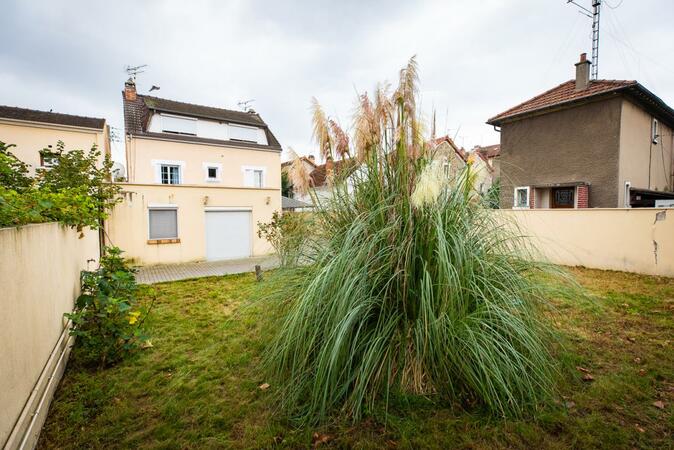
x,y
596,6
594,15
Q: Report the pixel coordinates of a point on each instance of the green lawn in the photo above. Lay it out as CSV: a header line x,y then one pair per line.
x,y
197,387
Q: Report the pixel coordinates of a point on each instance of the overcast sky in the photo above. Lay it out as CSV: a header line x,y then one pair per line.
x,y
476,58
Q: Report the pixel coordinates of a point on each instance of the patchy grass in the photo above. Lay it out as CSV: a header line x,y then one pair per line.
x,y
198,386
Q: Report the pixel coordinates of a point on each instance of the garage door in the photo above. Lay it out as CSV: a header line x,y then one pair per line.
x,y
228,234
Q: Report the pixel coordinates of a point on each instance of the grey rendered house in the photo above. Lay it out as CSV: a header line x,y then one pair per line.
x,y
587,144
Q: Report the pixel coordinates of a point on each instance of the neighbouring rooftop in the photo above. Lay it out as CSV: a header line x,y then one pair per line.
x,y
33,115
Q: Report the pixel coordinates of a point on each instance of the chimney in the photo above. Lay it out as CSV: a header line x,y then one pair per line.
x,y
329,166
130,90
312,158
582,73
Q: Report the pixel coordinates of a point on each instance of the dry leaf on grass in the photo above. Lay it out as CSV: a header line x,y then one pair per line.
x,y
320,438
588,377
264,386
582,369
659,404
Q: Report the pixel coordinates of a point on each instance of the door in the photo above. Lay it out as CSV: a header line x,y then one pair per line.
x,y
563,197
228,234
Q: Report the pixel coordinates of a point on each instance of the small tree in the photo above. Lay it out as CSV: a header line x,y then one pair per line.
x,y
13,172
76,169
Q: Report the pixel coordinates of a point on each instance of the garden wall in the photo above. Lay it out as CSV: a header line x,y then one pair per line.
x,y
40,268
631,240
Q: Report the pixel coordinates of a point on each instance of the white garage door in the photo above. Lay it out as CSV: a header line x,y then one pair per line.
x,y
228,234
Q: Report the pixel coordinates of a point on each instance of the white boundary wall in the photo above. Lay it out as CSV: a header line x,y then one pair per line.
x,y
631,240
40,268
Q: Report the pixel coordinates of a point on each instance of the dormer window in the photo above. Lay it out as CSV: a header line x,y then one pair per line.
x,y
178,125
243,133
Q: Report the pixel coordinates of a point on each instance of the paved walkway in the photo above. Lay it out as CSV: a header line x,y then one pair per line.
x,y
174,272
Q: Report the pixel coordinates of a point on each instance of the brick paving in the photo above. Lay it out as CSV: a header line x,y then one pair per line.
x,y
174,272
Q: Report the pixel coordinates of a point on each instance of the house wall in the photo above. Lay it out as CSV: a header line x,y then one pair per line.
x,y
631,240
127,226
40,268
637,151
142,151
576,144
31,137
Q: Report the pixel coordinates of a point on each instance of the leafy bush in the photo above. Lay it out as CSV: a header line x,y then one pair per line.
x,y
107,320
411,288
286,233
75,191
13,172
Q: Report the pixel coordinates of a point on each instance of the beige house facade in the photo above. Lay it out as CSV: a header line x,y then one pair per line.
x,y
200,179
33,131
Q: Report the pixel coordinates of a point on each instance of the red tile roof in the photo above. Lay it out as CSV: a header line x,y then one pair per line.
x,y
319,176
489,151
463,154
560,95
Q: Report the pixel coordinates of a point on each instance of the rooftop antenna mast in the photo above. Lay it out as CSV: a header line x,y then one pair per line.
x,y
594,15
133,71
246,104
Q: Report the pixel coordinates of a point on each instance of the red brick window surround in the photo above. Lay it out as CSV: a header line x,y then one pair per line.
x,y
583,192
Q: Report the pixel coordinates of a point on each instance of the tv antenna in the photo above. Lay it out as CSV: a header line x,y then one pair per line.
x,y
132,71
594,15
246,104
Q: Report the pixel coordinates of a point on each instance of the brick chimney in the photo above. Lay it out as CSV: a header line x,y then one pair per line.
x,y
130,90
582,73
329,166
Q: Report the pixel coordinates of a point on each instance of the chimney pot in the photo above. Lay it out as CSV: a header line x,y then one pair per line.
x,y
582,73
130,90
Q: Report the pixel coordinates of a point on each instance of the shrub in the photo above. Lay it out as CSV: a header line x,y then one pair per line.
x,y
13,172
75,191
411,288
286,233
107,320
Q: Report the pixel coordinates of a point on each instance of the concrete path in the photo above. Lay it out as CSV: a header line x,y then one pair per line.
x,y
174,272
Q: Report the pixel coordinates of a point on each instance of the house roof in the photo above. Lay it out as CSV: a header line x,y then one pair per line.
x,y
565,94
33,115
489,151
319,176
137,115
459,151
291,203
303,158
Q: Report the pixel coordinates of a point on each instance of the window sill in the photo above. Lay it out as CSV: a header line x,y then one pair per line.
x,y
163,241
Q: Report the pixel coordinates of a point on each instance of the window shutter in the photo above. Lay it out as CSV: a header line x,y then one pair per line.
x,y
163,223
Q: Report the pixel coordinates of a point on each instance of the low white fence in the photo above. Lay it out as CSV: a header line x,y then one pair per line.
x,y
631,240
39,280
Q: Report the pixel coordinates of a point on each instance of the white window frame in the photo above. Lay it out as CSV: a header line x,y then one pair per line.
x,y
173,116
262,169
519,188
157,163
217,167
169,206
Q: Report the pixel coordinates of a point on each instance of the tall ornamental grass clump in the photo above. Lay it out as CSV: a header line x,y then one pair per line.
x,y
409,285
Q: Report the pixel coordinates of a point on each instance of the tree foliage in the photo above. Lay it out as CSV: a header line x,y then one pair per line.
x,y
75,191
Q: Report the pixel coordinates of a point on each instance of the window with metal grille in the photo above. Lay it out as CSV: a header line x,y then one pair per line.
x,y
163,223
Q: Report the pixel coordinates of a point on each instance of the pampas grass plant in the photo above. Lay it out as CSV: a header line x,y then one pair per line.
x,y
408,285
